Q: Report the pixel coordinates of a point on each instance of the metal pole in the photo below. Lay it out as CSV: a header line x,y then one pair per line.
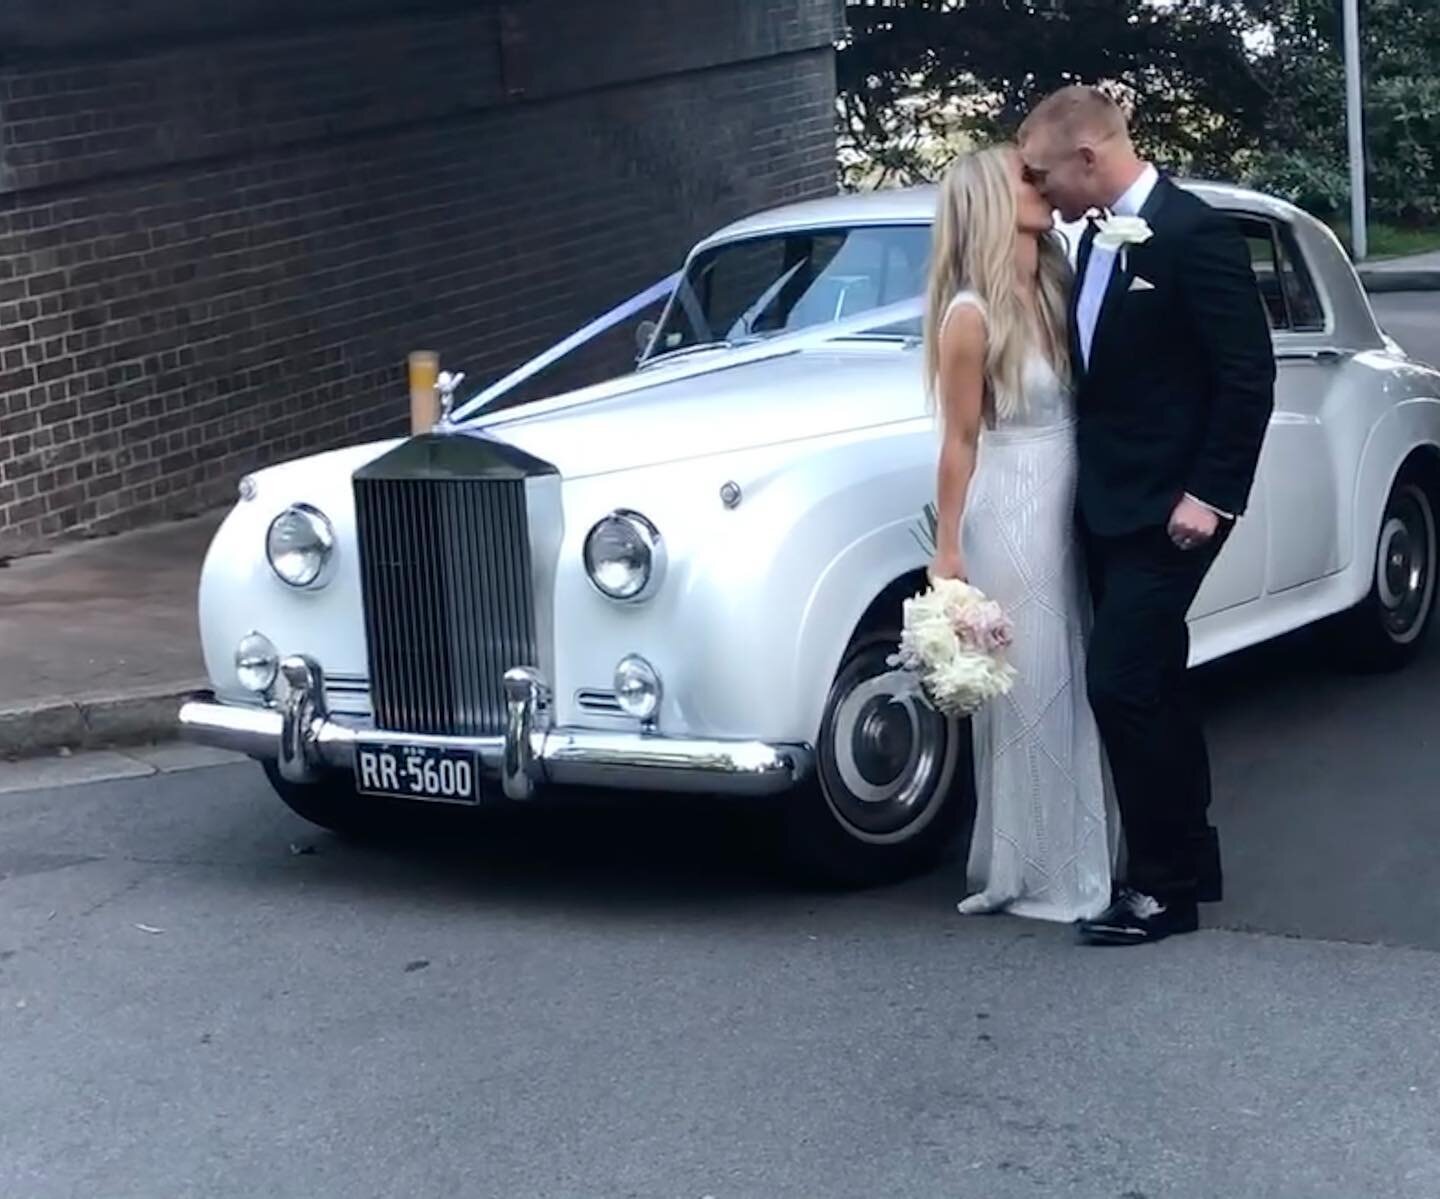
x,y
1354,122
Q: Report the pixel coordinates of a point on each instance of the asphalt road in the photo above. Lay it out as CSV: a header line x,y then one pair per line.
x,y
202,996
1412,319
579,1002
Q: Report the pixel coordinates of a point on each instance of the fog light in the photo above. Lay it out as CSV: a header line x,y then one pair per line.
x,y
256,663
637,687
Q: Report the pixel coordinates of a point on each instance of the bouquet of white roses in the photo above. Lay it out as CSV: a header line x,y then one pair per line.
x,y
953,642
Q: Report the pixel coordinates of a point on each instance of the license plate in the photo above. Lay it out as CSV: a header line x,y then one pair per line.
x,y
418,772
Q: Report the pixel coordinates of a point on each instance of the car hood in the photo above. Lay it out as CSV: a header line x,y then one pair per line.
x,y
641,420
652,417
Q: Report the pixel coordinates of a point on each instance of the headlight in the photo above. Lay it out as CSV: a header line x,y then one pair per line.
x,y
300,545
624,556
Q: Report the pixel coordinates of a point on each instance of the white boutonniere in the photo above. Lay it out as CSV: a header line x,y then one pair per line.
x,y
1121,232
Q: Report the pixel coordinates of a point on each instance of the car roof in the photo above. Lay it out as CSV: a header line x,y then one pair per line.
x,y
916,205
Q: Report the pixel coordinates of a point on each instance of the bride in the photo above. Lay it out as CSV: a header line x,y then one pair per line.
x,y
997,364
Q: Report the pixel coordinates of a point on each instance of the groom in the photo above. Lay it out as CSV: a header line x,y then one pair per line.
x,y
1175,384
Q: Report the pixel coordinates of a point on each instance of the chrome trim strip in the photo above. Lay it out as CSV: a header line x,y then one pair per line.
x,y
306,742
253,731
645,762
593,699
545,529
1311,353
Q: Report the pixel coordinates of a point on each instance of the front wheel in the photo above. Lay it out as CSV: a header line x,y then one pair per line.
x,y
892,786
1387,629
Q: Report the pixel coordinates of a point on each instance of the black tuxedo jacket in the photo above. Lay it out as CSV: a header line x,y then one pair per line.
x,y
1181,381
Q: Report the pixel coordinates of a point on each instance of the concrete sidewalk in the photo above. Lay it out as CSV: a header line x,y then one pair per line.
x,y
1412,272
98,639
1417,262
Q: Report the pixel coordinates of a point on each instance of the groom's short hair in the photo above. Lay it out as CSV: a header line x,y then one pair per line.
x,y
1076,113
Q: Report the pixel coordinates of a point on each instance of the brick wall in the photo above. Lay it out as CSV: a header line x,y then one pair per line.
x,y
217,243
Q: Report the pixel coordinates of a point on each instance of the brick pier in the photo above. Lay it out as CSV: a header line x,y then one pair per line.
x,y
220,234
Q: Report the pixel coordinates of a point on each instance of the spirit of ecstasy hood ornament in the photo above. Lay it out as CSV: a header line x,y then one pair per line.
x,y
446,385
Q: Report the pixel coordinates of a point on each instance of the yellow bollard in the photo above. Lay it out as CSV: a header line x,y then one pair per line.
x,y
424,400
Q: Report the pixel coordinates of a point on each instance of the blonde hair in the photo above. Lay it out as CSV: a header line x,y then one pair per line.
x,y
1076,113
973,249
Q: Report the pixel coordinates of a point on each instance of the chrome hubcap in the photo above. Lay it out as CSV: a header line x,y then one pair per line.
x,y
890,758
1405,564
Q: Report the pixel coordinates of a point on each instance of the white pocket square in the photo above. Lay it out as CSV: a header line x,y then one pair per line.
x,y
1140,283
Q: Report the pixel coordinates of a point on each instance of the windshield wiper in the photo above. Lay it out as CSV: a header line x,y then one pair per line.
x,y
719,343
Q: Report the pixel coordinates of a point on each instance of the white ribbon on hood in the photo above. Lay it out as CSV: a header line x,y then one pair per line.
x,y
636,303
661,372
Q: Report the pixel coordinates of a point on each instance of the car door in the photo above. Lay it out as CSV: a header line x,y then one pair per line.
x,y
1238,576
1299,476
1287,537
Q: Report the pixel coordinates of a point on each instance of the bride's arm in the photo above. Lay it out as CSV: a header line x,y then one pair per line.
x,y
961,388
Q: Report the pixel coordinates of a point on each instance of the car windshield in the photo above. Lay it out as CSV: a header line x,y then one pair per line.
x,y
763,286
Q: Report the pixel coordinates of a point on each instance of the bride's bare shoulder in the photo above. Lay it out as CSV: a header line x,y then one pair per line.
x,y
964,301
964,320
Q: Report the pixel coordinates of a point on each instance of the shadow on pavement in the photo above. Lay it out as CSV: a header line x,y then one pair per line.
x,y
1324,794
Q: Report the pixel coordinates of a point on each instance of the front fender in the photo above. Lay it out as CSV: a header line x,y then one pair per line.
x,y
239,593
838,528
856,577
759,600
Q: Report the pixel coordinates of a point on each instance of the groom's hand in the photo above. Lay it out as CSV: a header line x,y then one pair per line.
x,y
1191,524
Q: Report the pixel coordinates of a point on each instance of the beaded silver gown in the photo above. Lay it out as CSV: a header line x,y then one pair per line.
x,y
1046,829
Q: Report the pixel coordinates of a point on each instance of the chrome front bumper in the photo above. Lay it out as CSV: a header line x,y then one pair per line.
x,y
301,737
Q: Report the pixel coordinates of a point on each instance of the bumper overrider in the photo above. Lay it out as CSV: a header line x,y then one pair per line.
x,y
307,743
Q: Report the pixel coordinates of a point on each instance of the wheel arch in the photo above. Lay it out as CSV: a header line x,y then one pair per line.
x,y
1407,439
846,602
887,608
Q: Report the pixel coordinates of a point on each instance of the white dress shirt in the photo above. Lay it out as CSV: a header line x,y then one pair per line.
x,y
1102,260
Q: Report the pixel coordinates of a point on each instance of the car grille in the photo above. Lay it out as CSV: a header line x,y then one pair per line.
x,y
445,571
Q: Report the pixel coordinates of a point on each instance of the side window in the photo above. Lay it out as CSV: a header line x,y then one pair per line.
x,y
1264,261
1306,312
1285,286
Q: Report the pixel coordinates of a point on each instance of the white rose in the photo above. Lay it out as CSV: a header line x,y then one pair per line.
x,y
934,641
1113,232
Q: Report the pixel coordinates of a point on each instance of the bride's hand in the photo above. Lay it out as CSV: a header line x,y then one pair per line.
x,y
947,564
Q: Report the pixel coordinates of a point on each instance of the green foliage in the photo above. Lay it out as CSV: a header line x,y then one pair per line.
x,y
1303,155
921,79
1237,89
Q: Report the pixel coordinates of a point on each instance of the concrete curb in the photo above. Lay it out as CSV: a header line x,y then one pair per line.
x,y
1378,279
93,722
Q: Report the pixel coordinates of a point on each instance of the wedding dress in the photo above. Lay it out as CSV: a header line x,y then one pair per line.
x,y
1046,829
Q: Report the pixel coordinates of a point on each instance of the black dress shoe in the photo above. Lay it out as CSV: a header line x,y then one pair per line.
x,y
1136,918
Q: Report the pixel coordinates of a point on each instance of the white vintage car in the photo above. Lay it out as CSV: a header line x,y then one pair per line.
x,y
689,578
